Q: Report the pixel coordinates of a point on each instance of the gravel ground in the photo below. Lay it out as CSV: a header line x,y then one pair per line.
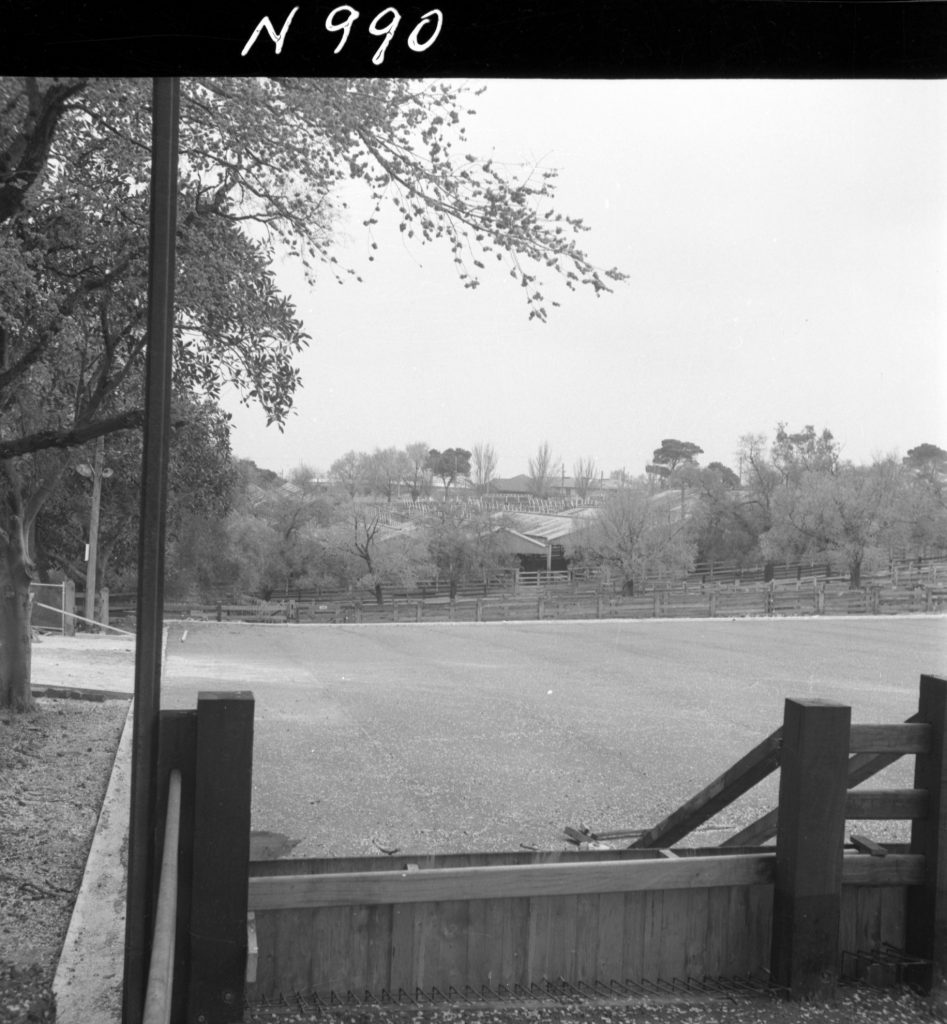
x,y
853,1006
54,767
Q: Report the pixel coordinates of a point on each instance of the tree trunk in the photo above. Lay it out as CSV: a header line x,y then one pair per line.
x,y
379,596
15,651
855,574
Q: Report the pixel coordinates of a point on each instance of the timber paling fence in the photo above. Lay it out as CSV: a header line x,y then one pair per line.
x,y
653,917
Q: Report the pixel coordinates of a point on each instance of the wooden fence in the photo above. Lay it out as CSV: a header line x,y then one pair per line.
x,y
552,601
478,924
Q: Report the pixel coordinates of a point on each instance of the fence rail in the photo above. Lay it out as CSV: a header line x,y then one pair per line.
x,y
551,601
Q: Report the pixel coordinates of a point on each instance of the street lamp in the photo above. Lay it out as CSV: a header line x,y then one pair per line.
x,y
98,472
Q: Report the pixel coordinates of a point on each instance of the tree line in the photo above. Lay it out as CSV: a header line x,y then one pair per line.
x,y
240,529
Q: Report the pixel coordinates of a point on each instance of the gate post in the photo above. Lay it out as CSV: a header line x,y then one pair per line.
x,y
813,785
222,786
926,934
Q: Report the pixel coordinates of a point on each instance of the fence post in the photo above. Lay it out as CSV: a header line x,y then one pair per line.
x,y
69,608
540,606
222,785
598,604
713,604
479,609
808,891
926,933
103,615
417,611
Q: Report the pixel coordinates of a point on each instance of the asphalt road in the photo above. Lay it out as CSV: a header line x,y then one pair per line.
x,y
441,737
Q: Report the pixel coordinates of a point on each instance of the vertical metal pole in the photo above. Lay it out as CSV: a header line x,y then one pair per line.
x,y
142,824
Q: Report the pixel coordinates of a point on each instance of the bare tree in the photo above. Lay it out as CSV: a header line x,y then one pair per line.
x,y
485,466
584,472
350,472
542,469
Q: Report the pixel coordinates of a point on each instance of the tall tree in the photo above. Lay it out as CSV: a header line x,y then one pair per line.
x,y
848,514
448,465
804,451
675,457
635,534
462,546
351,472
584,473
387,469
262,162
484,466
542,469
419,476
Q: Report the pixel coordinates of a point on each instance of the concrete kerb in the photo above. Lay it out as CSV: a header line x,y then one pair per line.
x,y
89,978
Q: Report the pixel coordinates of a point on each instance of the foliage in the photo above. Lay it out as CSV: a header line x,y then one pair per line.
x,y
847,512
448,465
461,546
387,469
350,472
674,453
418,478
634,533
805,451
200,484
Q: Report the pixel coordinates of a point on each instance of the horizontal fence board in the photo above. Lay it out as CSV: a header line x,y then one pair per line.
x,y
896,869
905,738
507,881
893,804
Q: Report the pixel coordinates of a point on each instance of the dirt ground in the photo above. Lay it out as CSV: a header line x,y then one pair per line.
x,y
55,764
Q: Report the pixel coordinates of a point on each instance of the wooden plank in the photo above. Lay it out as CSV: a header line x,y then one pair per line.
x,y
895,869
651,929
609,956
886,804
905,738
808,882
401,949
375,887
489,942
734,782
585,965
537,946
440,937
675,925
926,933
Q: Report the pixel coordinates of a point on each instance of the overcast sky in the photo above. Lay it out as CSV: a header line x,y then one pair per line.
x,y
786,246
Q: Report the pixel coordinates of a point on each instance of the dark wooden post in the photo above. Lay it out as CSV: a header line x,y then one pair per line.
x,y
222,787
926,934
807,897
